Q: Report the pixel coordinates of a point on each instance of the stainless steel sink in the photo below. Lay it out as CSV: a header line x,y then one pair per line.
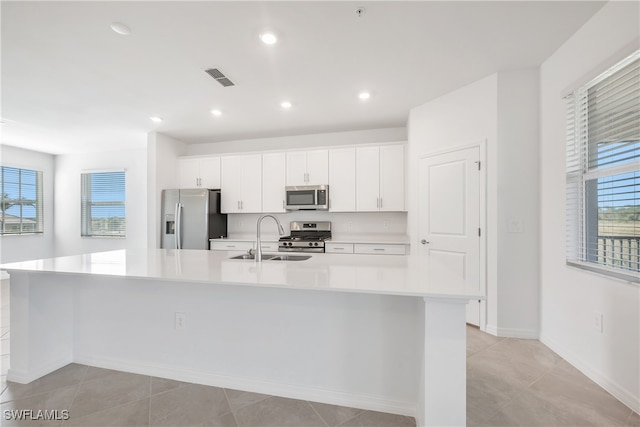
x,y
290,257
273,257
252,256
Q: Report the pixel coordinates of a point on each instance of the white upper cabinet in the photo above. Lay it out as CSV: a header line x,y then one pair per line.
x,y
342,180
308,167
199,173
380,178
392,181
210,172
241,184
368,178
273,182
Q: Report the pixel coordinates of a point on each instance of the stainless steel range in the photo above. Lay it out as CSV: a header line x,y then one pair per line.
x,y
306,237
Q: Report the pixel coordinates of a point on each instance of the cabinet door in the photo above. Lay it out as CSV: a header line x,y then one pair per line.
x,y
273,182
231,184
297,168
210,173
251,200
367,179
188,173
342,180
392,178
318,167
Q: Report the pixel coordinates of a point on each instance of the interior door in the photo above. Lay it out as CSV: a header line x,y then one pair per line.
x,y
449,220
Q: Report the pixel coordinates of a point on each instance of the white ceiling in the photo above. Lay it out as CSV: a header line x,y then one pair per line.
x,y
69,83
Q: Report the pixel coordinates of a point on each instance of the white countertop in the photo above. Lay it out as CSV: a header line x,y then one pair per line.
x,y
372,274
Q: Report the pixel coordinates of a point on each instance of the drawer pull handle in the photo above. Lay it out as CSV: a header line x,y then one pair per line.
x,y
378,249
231,246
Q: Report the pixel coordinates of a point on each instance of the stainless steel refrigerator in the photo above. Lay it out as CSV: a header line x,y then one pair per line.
x,y
191,217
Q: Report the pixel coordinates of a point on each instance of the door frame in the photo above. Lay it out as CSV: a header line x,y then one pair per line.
x,y
482,148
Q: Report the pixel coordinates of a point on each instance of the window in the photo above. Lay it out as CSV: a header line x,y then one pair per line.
x,y
20,201
103,208
603,172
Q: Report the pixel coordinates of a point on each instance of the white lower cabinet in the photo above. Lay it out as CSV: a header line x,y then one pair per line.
x,y
269,246
242,245
231,245
338,248
368,248
365,248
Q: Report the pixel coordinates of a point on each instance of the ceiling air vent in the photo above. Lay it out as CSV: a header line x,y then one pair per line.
x,y
219,77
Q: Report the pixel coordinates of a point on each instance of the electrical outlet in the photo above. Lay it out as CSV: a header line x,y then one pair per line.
x,y
386,224
598,321
181,320
349,225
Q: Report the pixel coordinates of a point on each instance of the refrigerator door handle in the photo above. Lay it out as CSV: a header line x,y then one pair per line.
x,y
178,224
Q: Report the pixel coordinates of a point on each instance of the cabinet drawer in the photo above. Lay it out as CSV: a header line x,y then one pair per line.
x,y
338,248
380,249
230,245
269,246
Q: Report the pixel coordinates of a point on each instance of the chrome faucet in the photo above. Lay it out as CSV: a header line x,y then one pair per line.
x,y
258,243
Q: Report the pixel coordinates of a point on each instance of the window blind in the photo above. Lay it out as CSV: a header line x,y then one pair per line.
x,y
21,201
103,204
603,171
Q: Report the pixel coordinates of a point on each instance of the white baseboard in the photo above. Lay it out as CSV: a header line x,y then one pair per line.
x,y
528,334
595,375
22,377
333,397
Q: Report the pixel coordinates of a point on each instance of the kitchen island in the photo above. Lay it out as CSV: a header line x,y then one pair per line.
x,y
385,333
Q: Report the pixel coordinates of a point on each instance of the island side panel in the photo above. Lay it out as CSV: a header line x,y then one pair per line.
x,y
350,349
41,325
443,383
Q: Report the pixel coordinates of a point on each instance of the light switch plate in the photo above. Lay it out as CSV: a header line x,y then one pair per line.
x,y
515,225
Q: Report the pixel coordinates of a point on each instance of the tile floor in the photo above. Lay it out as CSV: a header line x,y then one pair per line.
x,y
511,382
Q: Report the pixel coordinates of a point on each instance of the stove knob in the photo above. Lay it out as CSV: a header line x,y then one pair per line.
x,y
315,244
310,244
290,244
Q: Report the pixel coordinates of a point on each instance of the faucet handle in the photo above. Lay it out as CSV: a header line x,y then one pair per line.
x,y
250,251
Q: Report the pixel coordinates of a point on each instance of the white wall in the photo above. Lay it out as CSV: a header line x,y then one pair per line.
x,y
517,198
19,248
162,173
68,168
502,110
370,136
569,297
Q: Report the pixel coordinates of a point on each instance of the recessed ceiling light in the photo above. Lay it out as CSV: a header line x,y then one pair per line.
x,y
156,119
285,104
268,38
364,95
120,28
216,112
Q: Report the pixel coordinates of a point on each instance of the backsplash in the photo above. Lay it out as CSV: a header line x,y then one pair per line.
x,y
341,223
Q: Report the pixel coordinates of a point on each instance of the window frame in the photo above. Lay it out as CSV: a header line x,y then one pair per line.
x,y
39,201
582,177
87,203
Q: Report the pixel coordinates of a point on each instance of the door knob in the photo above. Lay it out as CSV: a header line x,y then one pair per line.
x,y
424,242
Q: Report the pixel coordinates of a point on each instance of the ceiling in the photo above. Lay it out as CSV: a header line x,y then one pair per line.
x,y
70,83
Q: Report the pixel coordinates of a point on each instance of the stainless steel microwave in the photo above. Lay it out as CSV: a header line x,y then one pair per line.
x,y
307,197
